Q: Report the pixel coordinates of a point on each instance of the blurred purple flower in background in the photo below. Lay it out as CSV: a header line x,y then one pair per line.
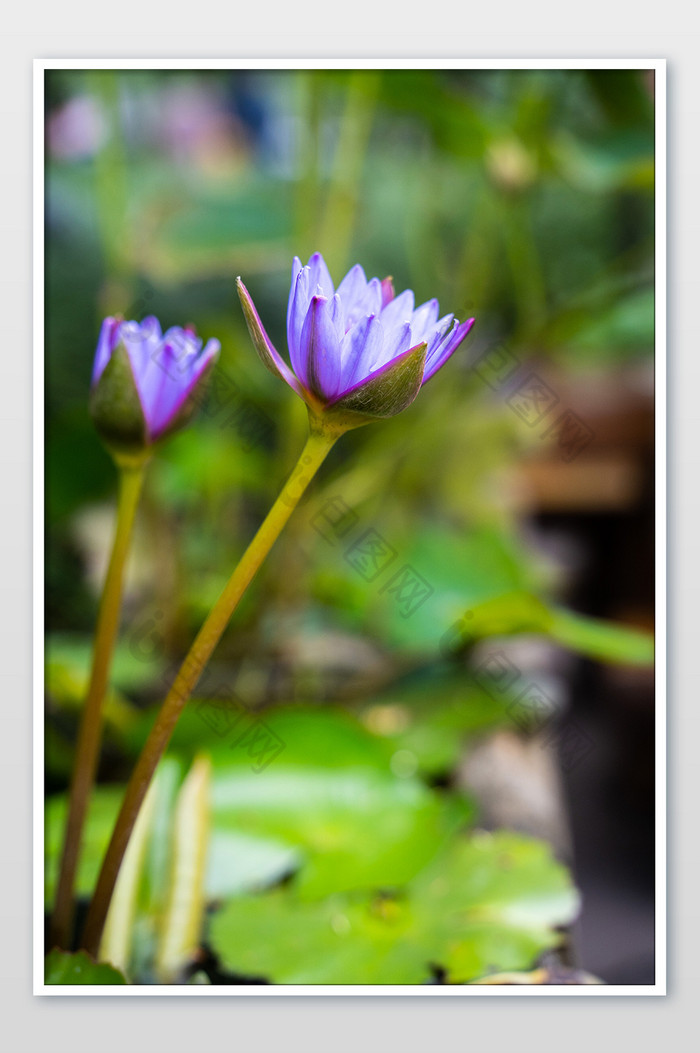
x,y
359,347
143,380
76,130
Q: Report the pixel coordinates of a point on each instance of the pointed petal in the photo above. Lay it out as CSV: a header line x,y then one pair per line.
x,y
388,390
399,310
107,341
269,356
360,349
175,407
373,300
400,339
424,318
337,317
164,387
151,326
448,348
353,289
438,336
320,277
296,267
320,349
297,315
388,292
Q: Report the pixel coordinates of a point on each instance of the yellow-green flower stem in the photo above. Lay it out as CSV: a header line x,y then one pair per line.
x,y
317,447
88,746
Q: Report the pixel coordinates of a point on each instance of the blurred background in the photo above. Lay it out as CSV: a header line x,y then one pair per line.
x,y
518,490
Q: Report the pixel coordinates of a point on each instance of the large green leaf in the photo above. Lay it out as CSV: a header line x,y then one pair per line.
x,y
238,863
488,903
358,827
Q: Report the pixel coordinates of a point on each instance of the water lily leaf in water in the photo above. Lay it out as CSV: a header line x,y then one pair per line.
x,y
490,902
358,827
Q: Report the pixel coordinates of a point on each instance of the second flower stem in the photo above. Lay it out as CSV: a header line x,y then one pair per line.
x,y
317,447
89,736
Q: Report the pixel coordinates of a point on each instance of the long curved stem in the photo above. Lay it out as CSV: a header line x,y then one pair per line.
x,y
312,456
90,734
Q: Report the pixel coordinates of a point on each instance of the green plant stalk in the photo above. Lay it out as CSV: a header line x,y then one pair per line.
x,y
118,934
90,734
182,921
317,447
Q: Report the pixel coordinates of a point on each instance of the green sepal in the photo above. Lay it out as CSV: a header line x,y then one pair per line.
x,y
384,395
116,409
256,330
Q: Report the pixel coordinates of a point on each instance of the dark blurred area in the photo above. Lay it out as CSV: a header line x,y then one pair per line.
x,y
526,468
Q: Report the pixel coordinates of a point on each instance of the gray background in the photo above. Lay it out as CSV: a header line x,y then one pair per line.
x,y
443,29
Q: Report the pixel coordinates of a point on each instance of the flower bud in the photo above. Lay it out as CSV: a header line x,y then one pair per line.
x,y
146,384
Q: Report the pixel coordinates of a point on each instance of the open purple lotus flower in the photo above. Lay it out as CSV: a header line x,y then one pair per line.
x,y
145,382
359,351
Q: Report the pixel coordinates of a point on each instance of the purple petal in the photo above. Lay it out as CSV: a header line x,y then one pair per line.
x,y
173,406
360,349
150,326
438,335
388,292
107,341
337,316
154,358
396,342
373,300
444,351
297,317
400,310
353,290
320,349
320,277
158,386
296,267
424,318
178,380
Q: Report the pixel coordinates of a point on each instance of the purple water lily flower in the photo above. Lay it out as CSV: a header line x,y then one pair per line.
x,y
358,348
144,381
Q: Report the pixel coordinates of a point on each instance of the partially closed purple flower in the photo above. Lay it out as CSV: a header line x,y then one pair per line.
x,y
357,349
144,382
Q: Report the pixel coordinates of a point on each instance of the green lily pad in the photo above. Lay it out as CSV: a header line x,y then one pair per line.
x,y
238,863
61,967
358,827
488,903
